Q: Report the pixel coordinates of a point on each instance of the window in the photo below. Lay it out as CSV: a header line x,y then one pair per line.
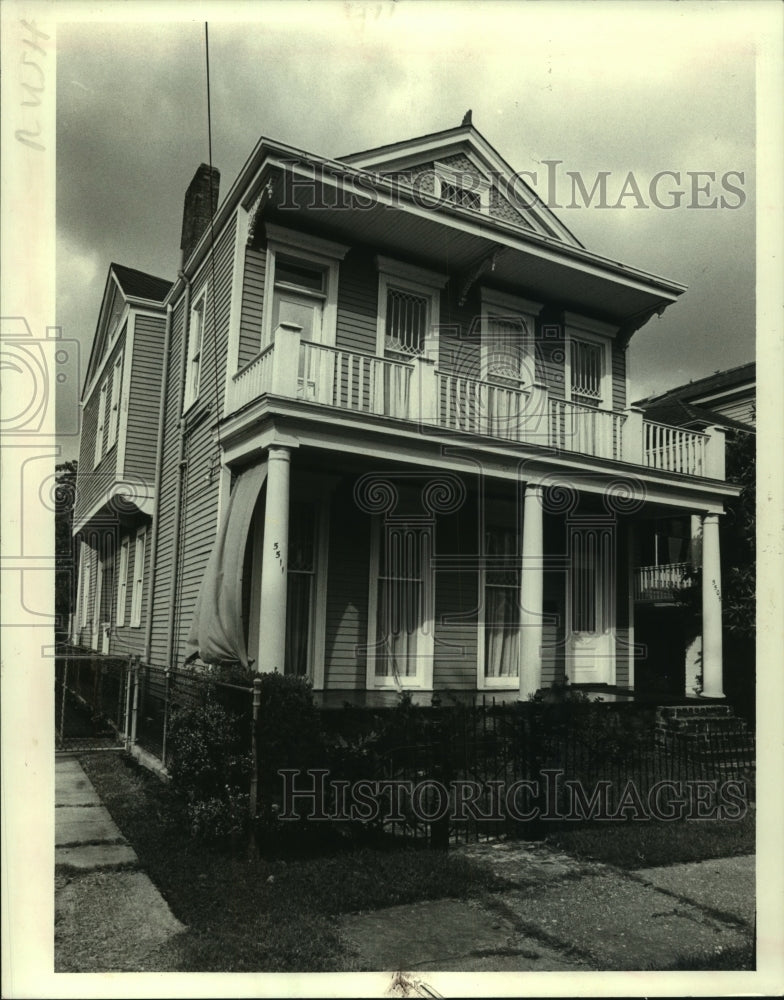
x,y
408,310
301,284
101,423
138,578
195,342
466,188
301,589
122,583
406,322
401,607
501,607
591,606
586,372
507,356
114,411
587,361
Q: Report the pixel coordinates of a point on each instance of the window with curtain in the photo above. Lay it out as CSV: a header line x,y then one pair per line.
x,y
403,611
591,574
301,586
501,604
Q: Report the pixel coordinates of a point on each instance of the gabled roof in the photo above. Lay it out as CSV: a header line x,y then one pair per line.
x,y
468,140
707,386
123,284
139,284
679,413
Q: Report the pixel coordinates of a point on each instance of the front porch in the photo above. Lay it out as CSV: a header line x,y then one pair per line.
x,y
383,578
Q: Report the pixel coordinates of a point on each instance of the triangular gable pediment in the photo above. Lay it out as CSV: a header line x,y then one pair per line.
x,y
110,316
425,162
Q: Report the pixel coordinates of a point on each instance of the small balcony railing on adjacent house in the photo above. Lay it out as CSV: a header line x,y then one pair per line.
x,y
415,390
660,583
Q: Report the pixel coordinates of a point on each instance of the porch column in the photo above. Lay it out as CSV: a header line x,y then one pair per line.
x,y
274,563
531,588
711,609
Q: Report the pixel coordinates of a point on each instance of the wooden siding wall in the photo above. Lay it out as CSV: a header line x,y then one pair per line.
x,y
618,377
163,609
345,661
128,639
145,394
92,481
252,305
199,507
357,302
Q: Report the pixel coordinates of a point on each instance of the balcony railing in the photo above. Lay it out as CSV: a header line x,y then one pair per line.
x,y
660,583
416,391
675,449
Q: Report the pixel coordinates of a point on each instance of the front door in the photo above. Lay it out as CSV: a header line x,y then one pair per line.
x,y
590,605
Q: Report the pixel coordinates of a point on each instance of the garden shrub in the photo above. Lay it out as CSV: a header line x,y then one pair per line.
x,y
210,766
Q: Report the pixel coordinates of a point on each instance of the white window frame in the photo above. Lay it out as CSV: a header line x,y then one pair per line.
x,y
137,593
122,582
101,422
418,281
423,679
116,400
310,250
193,370
500,305
480,186
595,332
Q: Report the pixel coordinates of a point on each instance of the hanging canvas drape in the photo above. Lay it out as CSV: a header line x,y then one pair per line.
x,y
217,634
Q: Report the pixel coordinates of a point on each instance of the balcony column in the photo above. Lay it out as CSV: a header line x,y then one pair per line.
x,y
285,360
711,609
531,591
714,453
274,563
632,448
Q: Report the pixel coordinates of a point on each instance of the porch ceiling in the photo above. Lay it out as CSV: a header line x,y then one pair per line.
x,y
544,269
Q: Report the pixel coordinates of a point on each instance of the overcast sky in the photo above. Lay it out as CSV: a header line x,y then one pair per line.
x,y
623,88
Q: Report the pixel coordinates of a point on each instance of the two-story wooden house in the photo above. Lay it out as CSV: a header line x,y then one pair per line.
x,y
117,461
396,450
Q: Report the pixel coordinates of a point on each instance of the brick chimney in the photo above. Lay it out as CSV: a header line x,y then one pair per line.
x,y
201,200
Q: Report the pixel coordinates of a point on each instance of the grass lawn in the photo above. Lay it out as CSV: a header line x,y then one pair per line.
x,y
647,844
246,913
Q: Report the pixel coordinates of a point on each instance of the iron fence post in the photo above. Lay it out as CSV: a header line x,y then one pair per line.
x,y
62,705
127,716
166,689
135,710
254,781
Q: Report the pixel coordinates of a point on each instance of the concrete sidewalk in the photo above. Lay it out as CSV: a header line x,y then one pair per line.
x,y
559,914
108,914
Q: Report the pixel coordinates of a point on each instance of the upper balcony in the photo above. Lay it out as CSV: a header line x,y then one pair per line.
x,y
417,391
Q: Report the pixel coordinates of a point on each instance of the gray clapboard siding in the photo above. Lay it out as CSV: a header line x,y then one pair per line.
x,y
357,303
92,482
163,610
199,514
252,305
618,377
144,400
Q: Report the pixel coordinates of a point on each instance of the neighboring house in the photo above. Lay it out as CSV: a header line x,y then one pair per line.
x,y
396,449
117,460
669,552
726,399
